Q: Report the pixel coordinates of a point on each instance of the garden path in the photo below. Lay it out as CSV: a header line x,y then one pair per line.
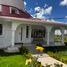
x,y
46,59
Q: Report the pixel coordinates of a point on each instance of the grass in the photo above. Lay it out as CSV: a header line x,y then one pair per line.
x,y
14,60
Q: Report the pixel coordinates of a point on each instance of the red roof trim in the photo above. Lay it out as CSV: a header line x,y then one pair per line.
x,y
23,14
32,20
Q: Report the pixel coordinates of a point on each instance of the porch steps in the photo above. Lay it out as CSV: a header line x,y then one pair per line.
x,y
13,49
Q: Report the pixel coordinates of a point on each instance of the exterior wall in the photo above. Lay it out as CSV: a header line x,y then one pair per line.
x,y
5,38
16,3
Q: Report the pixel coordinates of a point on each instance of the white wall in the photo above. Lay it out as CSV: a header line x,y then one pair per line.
x,y
16,3
5,38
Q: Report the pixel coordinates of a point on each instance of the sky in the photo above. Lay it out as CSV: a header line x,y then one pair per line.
x,y
47,9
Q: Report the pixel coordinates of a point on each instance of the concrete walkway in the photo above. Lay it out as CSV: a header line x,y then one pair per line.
x,y
46,59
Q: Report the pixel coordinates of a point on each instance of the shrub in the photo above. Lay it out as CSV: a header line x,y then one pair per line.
x,y
39,45
29,55
58,65
48,65
50,53
23,50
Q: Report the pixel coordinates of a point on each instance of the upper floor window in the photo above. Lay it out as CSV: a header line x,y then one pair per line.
x,y
14,10
0,29
0,7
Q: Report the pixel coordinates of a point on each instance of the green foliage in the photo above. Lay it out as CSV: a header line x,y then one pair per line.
x,y
50,53
39,45
29,55
59,56
58,65
23,50
48,65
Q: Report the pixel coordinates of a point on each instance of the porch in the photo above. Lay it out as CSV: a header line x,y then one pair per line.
x,y
38,33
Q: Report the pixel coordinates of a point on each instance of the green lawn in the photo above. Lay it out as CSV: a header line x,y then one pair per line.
x,y
12,61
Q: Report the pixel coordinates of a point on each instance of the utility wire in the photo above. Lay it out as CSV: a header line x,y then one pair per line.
x,y
56,18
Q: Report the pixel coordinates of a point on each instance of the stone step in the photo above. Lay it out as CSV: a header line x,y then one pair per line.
x,y
12,49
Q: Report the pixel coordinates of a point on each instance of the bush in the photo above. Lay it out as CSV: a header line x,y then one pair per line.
x,y
58,65
50,53
23,50
48,65
29,55
39,45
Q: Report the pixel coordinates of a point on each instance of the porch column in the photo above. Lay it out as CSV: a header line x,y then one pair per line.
x,y
62,36
48,34
13,33
30,31
13,36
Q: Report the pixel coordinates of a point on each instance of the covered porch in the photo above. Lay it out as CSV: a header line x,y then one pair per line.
x,y
29,34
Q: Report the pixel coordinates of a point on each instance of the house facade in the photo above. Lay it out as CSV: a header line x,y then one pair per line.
x,y
17,27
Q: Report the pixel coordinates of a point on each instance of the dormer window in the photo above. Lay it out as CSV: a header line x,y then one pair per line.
x,y
14,10
0,8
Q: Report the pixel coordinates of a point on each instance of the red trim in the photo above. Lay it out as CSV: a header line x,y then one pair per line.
x,y
6,12
33,21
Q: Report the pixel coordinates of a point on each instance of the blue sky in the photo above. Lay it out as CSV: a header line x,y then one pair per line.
x,y
44,9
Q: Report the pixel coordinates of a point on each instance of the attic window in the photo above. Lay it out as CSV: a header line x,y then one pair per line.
x,y
14,10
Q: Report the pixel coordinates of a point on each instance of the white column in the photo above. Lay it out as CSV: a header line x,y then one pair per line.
x,y
30,30
48,34
13,37
13,34
48,37
62,36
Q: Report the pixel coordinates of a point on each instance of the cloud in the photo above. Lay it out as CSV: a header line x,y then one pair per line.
x,y
45,5
48,10
63,3
40,12
66,17
52,20
25,3
37,9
